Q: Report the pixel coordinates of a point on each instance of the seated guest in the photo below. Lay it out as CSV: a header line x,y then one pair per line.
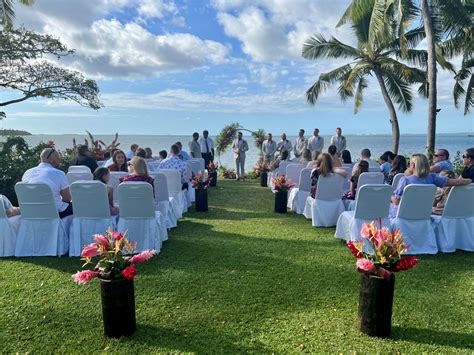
x,y
399,165
441,161
149,154
174,162
324,168
162,154
468,160
119,162
306,156
9,208
336,162
47,173
109,158
103,175
362,167
442,194
140,152
138,171
314,160
386,162
419,173
284,156
365,155
84,157
346,157
183,154
131,152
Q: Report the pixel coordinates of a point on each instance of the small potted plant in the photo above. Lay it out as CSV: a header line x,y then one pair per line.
x,y
379,254
201,184
116,272
261,169
281,185
212,172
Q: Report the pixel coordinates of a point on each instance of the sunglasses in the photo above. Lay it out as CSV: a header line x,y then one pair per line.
x,y
50,153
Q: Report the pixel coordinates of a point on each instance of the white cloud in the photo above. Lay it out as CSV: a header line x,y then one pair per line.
x,y
156,8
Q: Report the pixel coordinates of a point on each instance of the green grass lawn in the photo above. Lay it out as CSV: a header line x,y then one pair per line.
x,y
239,278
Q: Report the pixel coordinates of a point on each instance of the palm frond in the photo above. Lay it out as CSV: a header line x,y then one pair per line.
x,y
325,80
469,101
399,90
361,86
7,13
319,47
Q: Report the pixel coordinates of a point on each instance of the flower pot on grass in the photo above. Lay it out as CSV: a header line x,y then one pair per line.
x,y
213,176
281,201
263,179
201,200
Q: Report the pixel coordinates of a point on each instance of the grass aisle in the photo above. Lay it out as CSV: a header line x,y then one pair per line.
x,y
239,278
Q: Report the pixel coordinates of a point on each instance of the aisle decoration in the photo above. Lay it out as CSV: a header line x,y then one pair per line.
x,y
212,171
259,137
379,254
201,184
225,138
261,170
116,272
281,185
227,173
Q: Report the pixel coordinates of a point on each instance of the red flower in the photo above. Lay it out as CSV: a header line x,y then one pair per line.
x,y
90,251
354,249
117,236
406,263
129,272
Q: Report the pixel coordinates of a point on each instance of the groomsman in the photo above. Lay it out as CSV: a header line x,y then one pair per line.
x,y
269,148
300,145
240,146
194,147
207,148
284,145
339,141
316,143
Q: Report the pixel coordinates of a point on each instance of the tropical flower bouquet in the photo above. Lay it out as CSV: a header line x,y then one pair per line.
x,y
228,173
261,167
199,182
225,137
281,183
259,137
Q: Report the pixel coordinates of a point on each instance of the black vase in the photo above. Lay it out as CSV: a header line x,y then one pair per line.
x,y
375,305
213,176
281,200
263,179
118,307
201,200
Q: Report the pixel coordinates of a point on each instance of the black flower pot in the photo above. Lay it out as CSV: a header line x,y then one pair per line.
x,y
375,305
118,307
281,200
263,179
213,176
201,200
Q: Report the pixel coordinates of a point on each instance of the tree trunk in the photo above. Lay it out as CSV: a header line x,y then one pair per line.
x,y
432,90
391,109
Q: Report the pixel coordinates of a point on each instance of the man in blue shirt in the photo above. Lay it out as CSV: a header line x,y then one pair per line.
x,y
183,154
441,162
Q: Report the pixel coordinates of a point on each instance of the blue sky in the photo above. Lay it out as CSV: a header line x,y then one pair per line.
x,y
176,66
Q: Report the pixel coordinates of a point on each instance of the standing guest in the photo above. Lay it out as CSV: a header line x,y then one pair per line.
x,y
339,141
240,146
194,147
103,175
362,167
301,144
386,162
365,155
140,152
47,173
182,154
119,161
316,142
305,157
399,165
9,208
269,148
176,163
84,157
138,171
419,173
283,145
313,164
346,157
441,195
131,152
162,154
441,159
332,151
207,148
468,160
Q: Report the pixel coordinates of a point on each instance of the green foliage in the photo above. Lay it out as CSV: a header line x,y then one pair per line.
x,y
458,163
226,136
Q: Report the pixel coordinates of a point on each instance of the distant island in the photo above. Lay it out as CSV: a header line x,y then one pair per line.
x,y
13,132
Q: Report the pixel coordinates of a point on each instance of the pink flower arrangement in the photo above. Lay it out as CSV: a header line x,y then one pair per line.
x,y
281,183
199,182
261,167
212,167
113,263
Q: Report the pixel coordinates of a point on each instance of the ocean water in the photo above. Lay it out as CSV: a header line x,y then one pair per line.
x,y
355,143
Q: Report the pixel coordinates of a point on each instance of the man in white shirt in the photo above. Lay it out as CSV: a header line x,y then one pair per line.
x,y
365,155
207,148
194,147
174,162
47,173
316,143
131,152
269,148
339,141
300,145
283,145
240,146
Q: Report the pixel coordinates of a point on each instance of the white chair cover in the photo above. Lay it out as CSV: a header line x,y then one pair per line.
x,y
138,216
372,178
413,218
115,181
298,195
455,228
173,179
396,179
78,169
8,230
372,202
347,180
91,214
201,163
326,208
78,176
293,173
162,200
191,192
41,232
195,165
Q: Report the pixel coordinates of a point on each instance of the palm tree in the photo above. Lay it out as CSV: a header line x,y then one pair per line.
x,y
378,48
7,11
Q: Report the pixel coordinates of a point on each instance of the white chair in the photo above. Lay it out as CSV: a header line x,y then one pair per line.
x,y
195,165
293,173
413,218
298,195
372,178
455,228
372,202
281,170
201,161
138,216
375,169
190,193
78,169
91,214
8,231
396,179
325,209
347,180
114,182
173,179
41,232
163,202
78,176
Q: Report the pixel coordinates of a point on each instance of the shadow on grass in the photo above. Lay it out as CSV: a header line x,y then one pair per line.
x,y
431,336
